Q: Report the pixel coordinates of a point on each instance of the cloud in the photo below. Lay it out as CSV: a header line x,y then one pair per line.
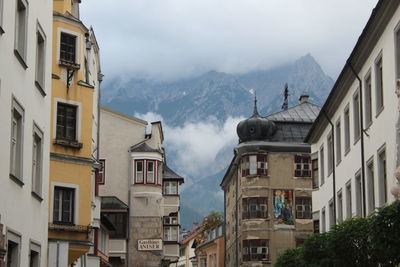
x,y
176,38
192,148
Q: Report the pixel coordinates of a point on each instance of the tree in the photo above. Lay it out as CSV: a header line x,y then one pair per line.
x,y
213,219
291,258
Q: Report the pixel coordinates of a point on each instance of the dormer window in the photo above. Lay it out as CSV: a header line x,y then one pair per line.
x,y
254,165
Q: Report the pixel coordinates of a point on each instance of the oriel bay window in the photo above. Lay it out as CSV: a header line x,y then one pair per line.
x,y
302,166
255,250
63,205
150,172
139,171
254,165
255,207
171,233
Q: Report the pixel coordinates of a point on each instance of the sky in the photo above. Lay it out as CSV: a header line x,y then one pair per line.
x,y
171,39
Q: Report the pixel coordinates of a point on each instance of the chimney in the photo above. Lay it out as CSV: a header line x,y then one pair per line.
x,y
303,99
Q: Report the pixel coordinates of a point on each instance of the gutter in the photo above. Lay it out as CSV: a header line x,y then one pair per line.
x,y
333,165
364,212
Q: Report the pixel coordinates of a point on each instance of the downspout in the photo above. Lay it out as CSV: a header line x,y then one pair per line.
x,y
362,138
237,217
333,165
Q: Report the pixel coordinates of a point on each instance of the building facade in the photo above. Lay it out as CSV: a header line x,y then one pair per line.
x,y
210,252
25,93
354,137
140,192
187,247
74,208
267,187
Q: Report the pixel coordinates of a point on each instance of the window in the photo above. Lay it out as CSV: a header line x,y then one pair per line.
x,y
348,200
159,172
303,208
37,156
40,57
356,117
371,186
323,221
16,151
338,144
332,218
150,172
13,249
316,226
102,171
359,201
66,122
255,207
382,177
120,221
368,100
340,206
302,166
330,152
171,220
315,173
321,156
170,188
139,171
21,26
103,240
346,130
171,233
254,164
255,250
379,85
63,207
68,48
34,255
1,16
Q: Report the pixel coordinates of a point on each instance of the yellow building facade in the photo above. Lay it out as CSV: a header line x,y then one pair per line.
x,y
76,79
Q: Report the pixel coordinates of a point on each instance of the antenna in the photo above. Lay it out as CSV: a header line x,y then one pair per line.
x,y
285,104
255,111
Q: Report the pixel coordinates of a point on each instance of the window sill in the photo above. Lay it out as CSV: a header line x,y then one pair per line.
x,y
171,242
356,139
20,59
256,175
40,88
347,151
171,195
301,177
255,219
69,64
338,161
16,180
379,111
37,196
368,125
68,143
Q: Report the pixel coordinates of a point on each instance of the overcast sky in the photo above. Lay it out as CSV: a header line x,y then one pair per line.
x,y
169,39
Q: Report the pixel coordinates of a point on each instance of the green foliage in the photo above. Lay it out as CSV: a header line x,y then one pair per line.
x,y
363,242
213,219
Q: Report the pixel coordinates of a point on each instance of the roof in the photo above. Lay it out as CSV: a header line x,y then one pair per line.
x,y
103,108
143,147
112,202
304,112
169,174
379,19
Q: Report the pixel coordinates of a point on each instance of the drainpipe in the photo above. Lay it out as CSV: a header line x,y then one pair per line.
x,y
362,139
237,216
333,165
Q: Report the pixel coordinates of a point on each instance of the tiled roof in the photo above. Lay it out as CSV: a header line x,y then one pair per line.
x,y
169,174
143,147
304,112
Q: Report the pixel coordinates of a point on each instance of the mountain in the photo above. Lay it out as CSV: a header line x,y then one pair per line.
x,y
217,94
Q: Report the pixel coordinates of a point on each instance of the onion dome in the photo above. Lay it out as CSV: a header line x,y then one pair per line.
x,y
255,127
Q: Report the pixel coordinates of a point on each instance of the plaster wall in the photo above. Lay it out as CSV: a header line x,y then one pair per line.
x,y
380,134
20,211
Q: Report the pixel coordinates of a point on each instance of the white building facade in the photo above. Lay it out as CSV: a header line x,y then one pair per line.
x,y
354,137
25,89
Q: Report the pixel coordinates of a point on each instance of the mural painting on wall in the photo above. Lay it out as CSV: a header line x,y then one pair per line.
x,y
283,206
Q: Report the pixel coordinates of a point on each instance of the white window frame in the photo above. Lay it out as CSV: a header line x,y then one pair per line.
x,y
150,173
322,164
382,176
78,116
323,220
35,247
338,141
159,172
169,235
346,128
19,49
356,116
137,181
77,45
16,155
349,200
358,194
368,99
370,175
37,160
40,64
14,237
340,206
329,146
171,220
168,185
76,199
379,86
332,218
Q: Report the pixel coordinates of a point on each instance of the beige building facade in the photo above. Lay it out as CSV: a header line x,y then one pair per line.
x,y
268,187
